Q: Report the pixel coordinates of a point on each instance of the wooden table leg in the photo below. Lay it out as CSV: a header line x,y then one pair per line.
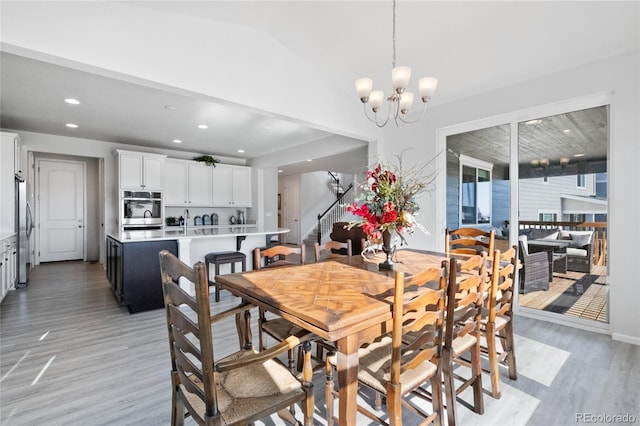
x,y
347,366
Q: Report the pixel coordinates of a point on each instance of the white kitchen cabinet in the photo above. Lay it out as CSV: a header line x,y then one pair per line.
x,y
188,183
8,265
141,171
231,186
8,145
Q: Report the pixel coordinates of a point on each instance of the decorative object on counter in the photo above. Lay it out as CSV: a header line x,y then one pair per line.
x,y
171,221
214,218
387,203
206,219
232,220
197,221
208,160
241,220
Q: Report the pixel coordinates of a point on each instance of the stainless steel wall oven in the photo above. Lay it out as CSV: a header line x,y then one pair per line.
x,y
141,210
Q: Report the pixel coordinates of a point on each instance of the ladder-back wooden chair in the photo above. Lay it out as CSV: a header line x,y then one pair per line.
x,y
497,317
398,364
239,388
277,327
332,249
469,241
465,295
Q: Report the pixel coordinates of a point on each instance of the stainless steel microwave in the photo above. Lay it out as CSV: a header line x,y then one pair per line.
x,y
141,210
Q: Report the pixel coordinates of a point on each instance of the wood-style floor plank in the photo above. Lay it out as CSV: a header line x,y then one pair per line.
x,y
108,367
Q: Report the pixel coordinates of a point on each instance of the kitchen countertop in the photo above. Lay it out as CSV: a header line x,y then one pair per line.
x,y
194,233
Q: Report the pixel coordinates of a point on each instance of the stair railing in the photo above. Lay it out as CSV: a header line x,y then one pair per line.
x,y
335,181
335,212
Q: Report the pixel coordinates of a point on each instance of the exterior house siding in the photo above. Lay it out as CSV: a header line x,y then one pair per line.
x,y
537,197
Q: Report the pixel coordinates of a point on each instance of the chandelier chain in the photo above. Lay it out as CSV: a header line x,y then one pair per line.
x,y
394,33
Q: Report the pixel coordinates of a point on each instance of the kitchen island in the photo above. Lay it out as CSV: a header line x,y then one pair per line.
x,y
132,256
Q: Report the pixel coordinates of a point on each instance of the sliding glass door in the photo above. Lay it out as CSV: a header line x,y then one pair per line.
x,y
540,183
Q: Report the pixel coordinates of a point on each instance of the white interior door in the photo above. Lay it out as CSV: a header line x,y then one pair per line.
x,y
291,210
61,210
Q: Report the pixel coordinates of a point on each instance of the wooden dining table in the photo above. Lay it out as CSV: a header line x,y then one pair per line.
x,y
346,301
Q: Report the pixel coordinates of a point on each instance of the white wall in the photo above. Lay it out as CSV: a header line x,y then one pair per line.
x,y
619,76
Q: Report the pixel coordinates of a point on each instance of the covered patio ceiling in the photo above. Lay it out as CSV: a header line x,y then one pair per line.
x,y
579,138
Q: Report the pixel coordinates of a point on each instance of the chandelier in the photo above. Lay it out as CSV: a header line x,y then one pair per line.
x,y
400,100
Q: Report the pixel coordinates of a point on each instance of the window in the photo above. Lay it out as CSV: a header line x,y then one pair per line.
x,y
548,217
475,191
581,181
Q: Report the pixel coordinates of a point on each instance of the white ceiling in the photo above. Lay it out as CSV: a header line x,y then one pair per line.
x,y
472,47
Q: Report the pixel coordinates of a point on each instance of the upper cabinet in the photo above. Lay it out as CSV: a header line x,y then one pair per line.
x,y
188,183
232,186
8,162
141,171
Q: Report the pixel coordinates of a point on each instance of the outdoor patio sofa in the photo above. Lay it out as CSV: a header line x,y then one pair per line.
x,y
580,249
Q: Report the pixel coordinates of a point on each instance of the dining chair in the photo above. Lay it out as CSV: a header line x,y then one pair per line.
x,y
397,364
469,241
238,388
278,328
332,249
497,317
465,295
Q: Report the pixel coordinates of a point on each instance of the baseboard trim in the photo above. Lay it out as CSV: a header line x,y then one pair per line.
x,y
619,337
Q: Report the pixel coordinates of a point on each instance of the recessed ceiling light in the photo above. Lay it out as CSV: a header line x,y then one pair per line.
x,y
532,122
309,159
73,126
280,170
202,126
72,101
241,151
578,155
177,141
171,107
566,131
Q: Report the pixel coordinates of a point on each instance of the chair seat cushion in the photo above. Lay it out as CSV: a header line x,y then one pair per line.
x,y
462,344
375,364
501,321
252,388
572,251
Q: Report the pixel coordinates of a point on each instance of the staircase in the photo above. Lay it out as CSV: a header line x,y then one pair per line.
x,y
334,213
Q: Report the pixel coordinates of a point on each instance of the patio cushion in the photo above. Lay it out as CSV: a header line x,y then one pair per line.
x,y
543,233
572,251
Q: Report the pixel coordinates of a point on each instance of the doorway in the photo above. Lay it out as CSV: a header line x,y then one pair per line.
x,y
291,208
67,189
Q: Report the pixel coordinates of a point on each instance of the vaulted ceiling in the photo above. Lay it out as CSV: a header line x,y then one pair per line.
x,y
472,47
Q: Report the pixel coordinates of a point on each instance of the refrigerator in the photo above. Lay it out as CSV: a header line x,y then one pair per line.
x,y
24,227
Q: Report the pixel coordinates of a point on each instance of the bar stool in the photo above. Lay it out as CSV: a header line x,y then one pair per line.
x,y
221,258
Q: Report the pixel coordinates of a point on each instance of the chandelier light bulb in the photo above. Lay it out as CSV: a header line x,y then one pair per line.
x,y
427,85
363,88
400,77
375,100
406,100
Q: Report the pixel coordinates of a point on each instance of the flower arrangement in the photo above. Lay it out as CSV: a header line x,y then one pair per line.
x,y
387,200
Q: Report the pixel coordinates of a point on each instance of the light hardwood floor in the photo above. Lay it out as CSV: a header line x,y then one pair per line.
x,y
70,356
